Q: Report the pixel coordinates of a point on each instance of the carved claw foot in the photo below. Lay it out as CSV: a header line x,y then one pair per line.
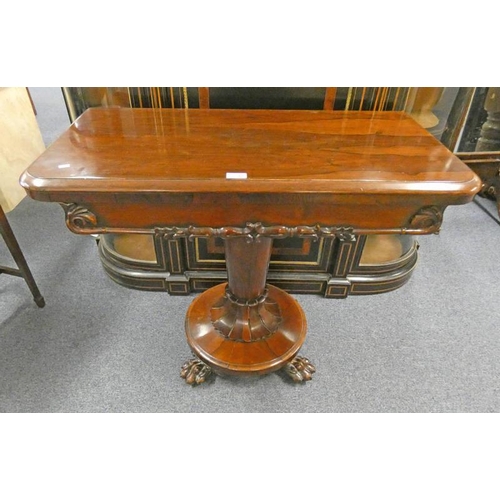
x,y
195,371
299,369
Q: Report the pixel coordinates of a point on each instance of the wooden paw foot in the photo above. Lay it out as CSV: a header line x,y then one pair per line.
x,y
299,369
195,371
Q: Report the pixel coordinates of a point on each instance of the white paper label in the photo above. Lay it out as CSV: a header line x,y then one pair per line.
x,y
236,175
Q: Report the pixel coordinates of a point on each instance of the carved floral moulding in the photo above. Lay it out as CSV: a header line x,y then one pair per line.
x,y
255,230
427,220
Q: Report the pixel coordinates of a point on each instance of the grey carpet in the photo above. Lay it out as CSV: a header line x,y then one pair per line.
x,y
431,346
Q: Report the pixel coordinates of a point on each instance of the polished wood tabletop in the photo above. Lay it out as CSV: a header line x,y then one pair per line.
x,y
280,151
225,166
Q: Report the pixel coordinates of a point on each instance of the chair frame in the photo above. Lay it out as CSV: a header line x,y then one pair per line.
x,y
23,270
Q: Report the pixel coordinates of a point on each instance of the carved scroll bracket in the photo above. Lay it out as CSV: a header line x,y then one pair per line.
x,y
426,220
79,219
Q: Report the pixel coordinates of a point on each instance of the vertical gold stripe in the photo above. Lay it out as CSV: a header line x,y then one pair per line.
x,y
406,98
172,97
408,92
160,102
384,98
348,100
387,98
343,261
140,96
394,104
376,99
153,105
381,98
186,107
362,99
129,97
175,265
400,99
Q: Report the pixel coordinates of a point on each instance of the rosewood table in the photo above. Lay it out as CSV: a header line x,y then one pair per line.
x,y
249,177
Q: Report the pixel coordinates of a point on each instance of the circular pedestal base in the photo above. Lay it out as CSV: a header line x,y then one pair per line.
x,y
237,357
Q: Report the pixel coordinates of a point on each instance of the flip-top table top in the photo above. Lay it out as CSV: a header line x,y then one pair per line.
x,y
369,170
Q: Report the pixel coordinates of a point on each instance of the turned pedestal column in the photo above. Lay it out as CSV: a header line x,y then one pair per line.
x,y
245,327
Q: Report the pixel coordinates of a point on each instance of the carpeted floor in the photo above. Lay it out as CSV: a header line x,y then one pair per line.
x,y
431,346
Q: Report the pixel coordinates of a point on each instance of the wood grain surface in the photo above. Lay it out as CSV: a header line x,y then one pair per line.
x,y
164,150
138,169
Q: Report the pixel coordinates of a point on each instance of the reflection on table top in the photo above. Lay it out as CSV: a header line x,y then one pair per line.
x,y
165,150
